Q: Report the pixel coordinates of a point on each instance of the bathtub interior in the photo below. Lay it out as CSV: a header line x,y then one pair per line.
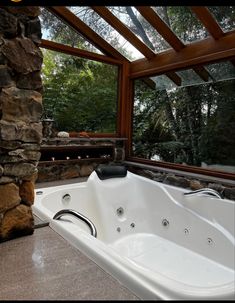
x,y
155,227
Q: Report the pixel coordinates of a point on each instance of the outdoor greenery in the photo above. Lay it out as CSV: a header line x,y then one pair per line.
x,y
191,124
80,95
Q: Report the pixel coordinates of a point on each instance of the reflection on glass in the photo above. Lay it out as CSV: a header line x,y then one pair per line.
x,y
225,16
55,30
140,27
79,94
182,22
106,31
192,125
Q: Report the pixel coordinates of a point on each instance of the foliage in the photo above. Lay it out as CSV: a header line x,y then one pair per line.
x,y
80,95
189,125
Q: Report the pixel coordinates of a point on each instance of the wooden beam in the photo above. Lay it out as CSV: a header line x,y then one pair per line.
x,y
206,18
197,53
78,52
174,77
202,72
161,27
79,26
124,31
125,107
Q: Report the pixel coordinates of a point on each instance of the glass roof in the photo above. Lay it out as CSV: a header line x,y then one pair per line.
x,y
182,22
180,19
222,70
140,27
224,15
106,31
54,29
218,71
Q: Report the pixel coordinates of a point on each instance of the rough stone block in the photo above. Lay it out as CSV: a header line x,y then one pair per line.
x,y
19,170
5,77
30,81
86,170
23,55
21,105
31,11
9,196
17,222
6,180
20,131
8,24
27,192
33,30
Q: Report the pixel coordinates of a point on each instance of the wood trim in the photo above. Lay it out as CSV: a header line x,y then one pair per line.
x,y
123,99
202,73
79,26
197,53
78,52
162,28
124,31
206,18
181,167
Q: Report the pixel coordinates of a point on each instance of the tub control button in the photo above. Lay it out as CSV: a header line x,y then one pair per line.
x,y
120,211
66,198
209,241
165,223
39,192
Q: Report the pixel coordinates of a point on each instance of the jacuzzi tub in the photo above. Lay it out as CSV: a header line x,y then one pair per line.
x,y
157,242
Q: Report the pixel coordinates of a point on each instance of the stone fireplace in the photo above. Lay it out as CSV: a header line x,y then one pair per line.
x,y
20,114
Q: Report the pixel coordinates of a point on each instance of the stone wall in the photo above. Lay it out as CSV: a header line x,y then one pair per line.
x,y
184,180
20,113
92,151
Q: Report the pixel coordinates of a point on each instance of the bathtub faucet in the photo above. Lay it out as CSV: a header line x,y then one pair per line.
x,y
206,191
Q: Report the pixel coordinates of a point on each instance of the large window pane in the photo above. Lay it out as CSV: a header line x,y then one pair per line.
x,y
191,125
79,94
225,16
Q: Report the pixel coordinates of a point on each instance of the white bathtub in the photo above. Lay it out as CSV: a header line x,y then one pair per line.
x,y
191,257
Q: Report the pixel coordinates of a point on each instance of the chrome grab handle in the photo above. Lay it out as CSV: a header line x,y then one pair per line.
x,y
76,214
207,191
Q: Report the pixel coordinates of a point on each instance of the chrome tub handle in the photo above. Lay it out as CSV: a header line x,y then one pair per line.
x,y
76,214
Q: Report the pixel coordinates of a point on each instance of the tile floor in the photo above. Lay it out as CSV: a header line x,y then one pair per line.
x,y
44,266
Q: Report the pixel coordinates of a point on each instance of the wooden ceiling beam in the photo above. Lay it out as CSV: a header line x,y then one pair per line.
x,y
206,18
161,27
201,52
79,26
51,45
124,31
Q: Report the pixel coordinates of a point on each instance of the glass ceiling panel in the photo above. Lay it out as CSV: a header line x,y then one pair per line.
x,y
182,22
106,31
218,71
222,70
225,16
54,29
140,27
